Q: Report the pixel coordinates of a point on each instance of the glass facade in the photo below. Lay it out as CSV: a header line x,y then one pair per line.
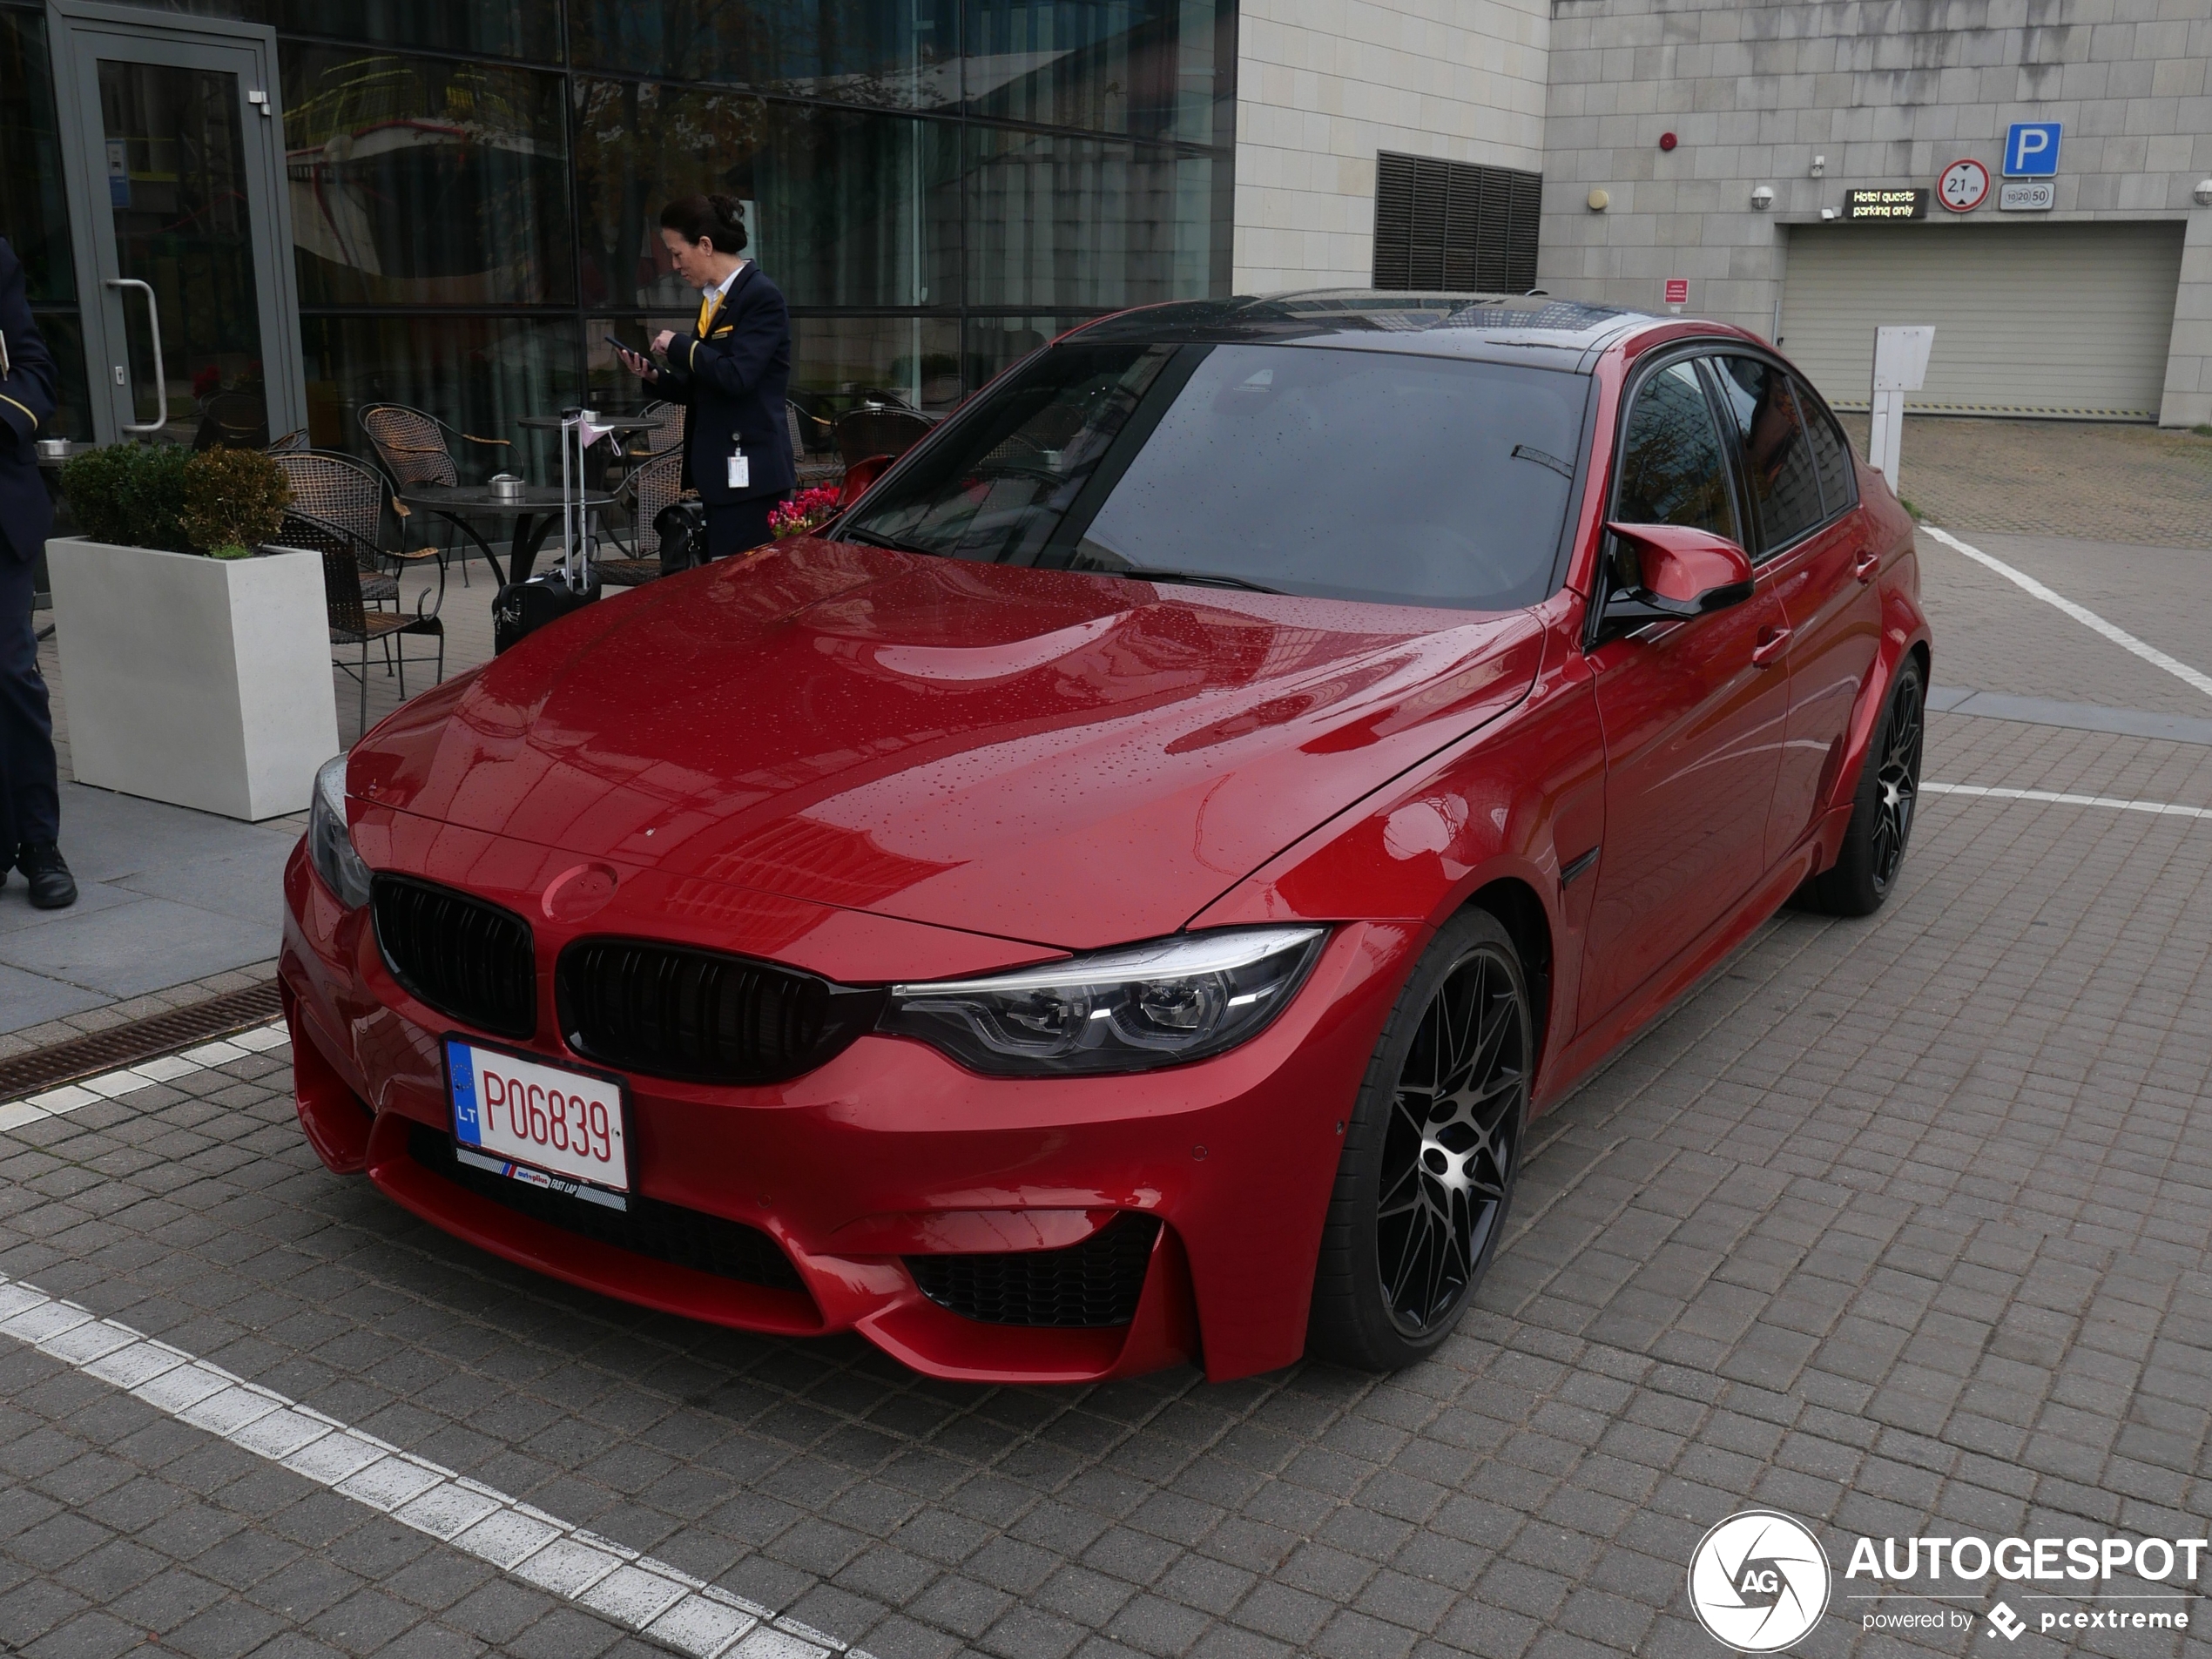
x,y
475,189
33,216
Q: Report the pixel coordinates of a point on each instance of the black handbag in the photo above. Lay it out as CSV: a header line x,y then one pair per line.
x,y
523,608
681,526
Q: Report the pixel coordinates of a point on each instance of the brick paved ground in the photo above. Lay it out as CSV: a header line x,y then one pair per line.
x,y
2095,480
1901,1226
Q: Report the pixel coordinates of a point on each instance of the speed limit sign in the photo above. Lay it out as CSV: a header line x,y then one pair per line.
x,y
1965,186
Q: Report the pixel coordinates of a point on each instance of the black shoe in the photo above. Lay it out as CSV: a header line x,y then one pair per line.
x,y
52,887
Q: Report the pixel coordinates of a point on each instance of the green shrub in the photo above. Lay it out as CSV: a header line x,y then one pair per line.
x,y
234,500
130,494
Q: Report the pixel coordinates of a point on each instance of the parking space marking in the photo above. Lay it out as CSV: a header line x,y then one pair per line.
x,y
112,1085
663,1603
2082,614
2161,808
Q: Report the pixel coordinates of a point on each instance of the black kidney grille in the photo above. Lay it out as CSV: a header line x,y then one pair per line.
x,y
700,1016
1095,1283
469,960
666,1232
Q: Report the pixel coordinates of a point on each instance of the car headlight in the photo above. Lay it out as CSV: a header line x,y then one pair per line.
x,y
328,843
1129,1009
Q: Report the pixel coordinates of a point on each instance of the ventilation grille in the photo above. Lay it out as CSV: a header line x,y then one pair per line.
x,y
471,961
1095,1283
700,1016
665,1233
1448,226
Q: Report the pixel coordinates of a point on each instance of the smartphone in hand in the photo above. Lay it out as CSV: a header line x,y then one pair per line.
x,y
639,362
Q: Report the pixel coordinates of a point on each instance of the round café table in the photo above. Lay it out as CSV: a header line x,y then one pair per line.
x,y
595,458
55,463
534,512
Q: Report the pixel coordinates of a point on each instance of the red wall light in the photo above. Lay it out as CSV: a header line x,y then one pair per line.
x,y
1668,141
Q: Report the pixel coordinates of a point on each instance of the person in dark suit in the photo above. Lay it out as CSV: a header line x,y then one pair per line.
x,y
30,812
731,371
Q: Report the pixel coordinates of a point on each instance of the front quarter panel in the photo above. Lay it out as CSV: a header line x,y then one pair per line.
x,y
1514,801
1905,630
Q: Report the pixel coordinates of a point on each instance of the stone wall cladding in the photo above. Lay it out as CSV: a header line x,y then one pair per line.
x,y
1323,85
1890,92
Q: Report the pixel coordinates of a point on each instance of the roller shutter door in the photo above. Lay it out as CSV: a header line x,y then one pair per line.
x,y
2036,319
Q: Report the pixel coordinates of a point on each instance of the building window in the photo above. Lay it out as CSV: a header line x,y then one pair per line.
x,y
1445,226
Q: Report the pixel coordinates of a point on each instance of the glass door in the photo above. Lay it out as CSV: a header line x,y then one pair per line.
x,y
174,161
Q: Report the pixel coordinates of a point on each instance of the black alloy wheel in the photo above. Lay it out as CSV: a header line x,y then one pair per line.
x,y
1881,820
1897,786
1432,1152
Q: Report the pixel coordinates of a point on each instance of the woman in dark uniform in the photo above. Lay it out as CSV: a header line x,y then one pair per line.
x,y
730,370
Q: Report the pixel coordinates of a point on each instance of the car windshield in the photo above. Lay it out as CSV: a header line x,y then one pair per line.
x,y
1344,474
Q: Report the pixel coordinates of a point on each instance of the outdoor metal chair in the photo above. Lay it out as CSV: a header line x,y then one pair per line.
x,y
667,432
862,433
648,489
640,447
415,447
340,490
811,470
352,622
291,443
234,420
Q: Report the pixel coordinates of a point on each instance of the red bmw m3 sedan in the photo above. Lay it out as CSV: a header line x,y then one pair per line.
x,y
1121,892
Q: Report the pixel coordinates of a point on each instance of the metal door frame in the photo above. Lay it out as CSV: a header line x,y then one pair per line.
x,y
79,34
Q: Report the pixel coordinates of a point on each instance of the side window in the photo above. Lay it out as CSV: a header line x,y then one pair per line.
x,y
1672,470
1777,459
1831,457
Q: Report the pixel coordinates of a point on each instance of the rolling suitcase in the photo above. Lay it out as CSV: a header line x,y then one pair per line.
x,y
524,607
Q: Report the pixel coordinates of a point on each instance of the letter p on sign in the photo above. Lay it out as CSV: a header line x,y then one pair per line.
x,y
2031,149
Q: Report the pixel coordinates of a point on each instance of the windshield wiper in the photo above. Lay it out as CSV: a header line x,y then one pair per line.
x,y
1197,578
874,540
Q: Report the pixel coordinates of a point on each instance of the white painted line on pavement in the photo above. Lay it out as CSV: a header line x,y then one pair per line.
x,y
660,1602
2082,614
2163,809
112,1085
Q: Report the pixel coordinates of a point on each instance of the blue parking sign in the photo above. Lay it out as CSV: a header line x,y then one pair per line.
x,y
2031,149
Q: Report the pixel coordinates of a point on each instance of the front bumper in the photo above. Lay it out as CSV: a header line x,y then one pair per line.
x,y
892,1150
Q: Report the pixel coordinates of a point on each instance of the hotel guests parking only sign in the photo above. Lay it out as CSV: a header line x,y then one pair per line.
x,y
1885,204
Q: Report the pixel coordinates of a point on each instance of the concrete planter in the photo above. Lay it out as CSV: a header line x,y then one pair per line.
x,y
201,682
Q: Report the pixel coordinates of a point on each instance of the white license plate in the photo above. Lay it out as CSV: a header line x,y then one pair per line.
x,y
535,1122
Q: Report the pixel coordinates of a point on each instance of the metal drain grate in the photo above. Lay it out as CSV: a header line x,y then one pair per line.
x,y
127,1045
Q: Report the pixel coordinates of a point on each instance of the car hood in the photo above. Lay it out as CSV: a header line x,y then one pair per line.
x,y
1054,757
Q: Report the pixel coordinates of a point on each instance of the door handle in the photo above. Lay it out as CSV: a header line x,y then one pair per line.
x,y
161,379
1867,565
1767,651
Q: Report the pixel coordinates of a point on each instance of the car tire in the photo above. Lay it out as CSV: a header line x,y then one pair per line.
x,y
1430,1156
1882,811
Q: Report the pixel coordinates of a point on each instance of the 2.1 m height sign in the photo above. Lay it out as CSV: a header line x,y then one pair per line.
x,y
2031,149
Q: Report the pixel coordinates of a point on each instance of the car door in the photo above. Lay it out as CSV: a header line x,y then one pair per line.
x,y
1693,710
1797,475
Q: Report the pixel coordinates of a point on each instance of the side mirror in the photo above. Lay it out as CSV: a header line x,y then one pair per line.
x,y
859,475
1684,572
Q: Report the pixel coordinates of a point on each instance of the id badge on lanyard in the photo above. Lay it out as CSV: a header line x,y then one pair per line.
x,y
740,469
